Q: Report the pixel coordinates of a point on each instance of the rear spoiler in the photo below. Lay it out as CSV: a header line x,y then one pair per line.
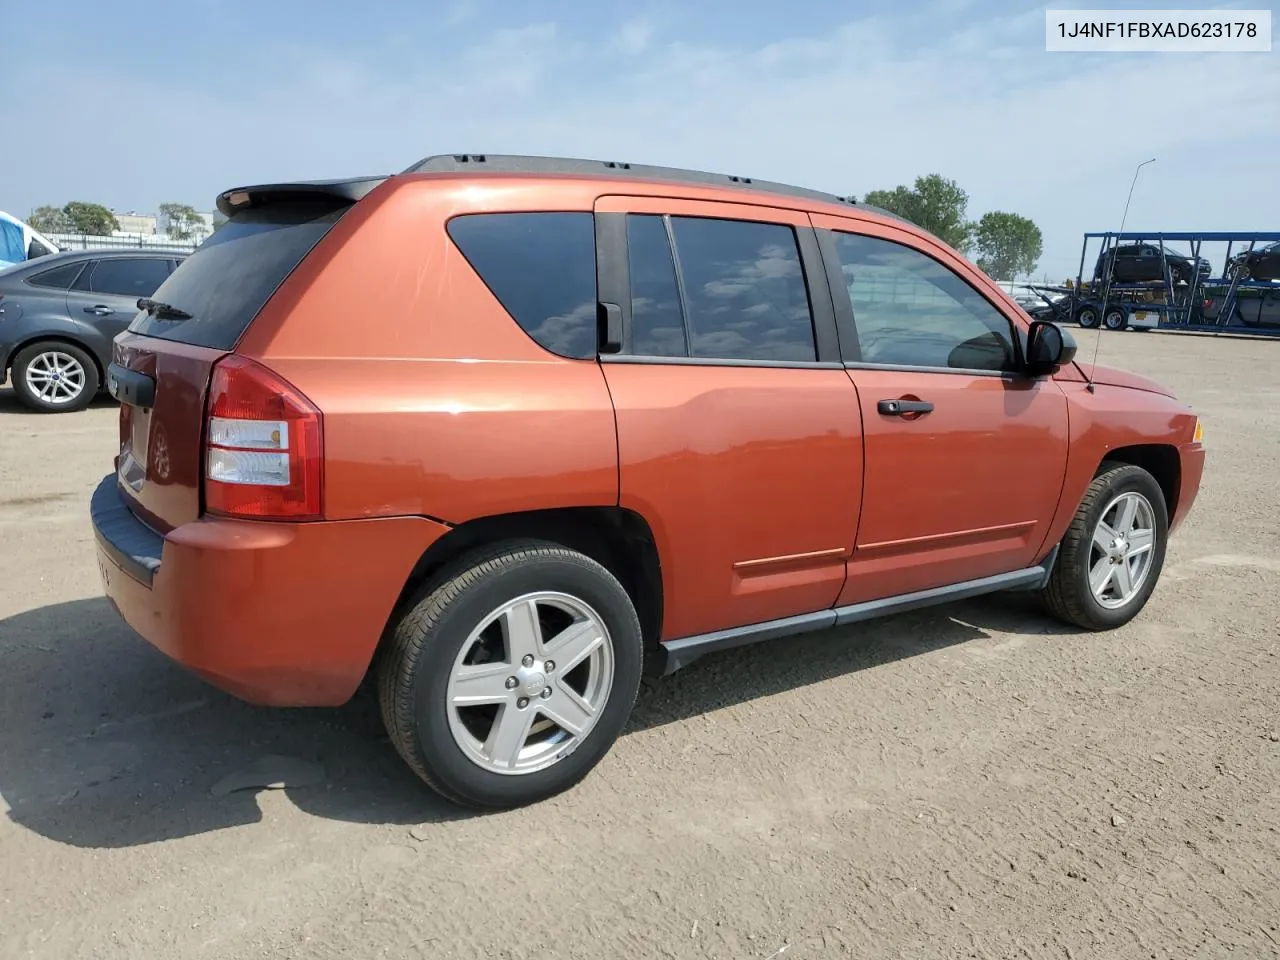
x,y
350,191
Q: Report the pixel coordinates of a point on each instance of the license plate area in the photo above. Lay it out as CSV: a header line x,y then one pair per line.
x,y
133,452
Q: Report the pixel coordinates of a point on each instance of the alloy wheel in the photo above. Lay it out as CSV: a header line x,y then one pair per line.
x,y
1122,550
55,377
530,682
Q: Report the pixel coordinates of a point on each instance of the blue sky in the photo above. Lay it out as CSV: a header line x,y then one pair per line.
x,y
131,104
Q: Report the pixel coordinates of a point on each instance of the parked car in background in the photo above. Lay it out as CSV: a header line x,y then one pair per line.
x,y
20,242
1142,263
58,315
502,430
1254,308
1262,263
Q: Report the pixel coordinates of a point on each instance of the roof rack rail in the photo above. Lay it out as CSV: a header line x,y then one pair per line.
x,y
509,163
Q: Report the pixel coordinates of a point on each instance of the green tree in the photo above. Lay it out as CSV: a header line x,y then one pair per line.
x,y
1008,245
50,220
935,203
90,218
184,222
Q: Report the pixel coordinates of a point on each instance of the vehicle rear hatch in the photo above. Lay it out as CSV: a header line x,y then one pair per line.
x,y
162,365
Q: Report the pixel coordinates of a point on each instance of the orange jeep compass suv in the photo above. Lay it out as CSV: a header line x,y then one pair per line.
x,y
501,429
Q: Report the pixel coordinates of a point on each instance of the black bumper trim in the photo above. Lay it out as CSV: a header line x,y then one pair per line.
x,y
134,546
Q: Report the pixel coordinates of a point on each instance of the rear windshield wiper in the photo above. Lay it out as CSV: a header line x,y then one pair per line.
x,y
162,311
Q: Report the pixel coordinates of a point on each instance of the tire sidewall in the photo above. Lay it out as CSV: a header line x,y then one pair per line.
x,y
1110,313
442,755
1091,312
23,389
1130,480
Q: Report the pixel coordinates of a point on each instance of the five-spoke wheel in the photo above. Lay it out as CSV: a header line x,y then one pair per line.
x,y
1111,556
528,681
512,674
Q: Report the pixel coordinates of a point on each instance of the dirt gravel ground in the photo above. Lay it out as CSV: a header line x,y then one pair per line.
x,y
972,781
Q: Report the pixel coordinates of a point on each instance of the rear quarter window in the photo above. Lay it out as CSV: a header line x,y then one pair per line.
x,y
542,269
232,275
59,278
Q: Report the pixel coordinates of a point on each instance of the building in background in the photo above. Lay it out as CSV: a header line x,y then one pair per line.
x,y
135,224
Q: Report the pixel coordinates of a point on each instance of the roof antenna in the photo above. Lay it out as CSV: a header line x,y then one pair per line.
x,y
1106,286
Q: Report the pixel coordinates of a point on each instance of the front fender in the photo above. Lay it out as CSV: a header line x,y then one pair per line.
x,y
1108,418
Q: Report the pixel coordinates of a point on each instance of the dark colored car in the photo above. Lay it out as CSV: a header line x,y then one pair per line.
x,y
502,430
1260,264
1142,263
59,314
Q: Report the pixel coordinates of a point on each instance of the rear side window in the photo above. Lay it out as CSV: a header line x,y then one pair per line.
x,y
233,274
128,277
744,289
59,278
542,269
657,318
739,292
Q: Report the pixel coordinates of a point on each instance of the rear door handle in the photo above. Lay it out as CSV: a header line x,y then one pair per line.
x,y
896,408
101,309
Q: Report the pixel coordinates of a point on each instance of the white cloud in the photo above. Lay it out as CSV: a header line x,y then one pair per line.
x,y
867,105
634,36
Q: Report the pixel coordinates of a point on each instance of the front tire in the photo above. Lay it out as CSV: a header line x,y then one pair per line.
x,y
512,675
1111,557
54,377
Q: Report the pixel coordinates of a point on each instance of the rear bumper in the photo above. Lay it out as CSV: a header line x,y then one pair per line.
x,y
1191,456
285,614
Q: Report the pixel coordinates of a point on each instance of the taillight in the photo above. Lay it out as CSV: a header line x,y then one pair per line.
x,y
263,448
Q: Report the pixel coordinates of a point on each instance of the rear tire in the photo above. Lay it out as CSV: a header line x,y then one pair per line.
x,y
1111,557
1087,316
1116,318
470,691
53,376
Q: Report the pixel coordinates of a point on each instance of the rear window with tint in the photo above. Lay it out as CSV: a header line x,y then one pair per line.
x,y
233,274
59,278
542,269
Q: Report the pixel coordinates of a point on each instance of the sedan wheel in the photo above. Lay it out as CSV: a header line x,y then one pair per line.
x,y
54,377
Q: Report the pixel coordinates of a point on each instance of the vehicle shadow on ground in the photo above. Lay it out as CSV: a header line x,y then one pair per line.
x,y
106,743
10,404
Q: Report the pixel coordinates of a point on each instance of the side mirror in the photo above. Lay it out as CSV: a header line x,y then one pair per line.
x,y
1049,347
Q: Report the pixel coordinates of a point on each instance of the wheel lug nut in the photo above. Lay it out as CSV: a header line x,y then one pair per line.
x,y
527,660
511,683
522,702
546,692
549,666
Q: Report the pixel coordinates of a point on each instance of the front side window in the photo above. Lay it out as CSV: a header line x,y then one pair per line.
x,y
910,310
542,268
128,277
12,249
